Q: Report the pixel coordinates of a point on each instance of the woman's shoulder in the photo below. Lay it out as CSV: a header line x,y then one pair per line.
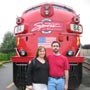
x,y
32,61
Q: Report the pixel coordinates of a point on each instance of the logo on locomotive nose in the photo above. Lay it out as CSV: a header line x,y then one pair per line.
x,y
47,26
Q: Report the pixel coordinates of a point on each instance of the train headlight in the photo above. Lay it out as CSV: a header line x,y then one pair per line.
x,y
47,10
70,53
19,29
23,53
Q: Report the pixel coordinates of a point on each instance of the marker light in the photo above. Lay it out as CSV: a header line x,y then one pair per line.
x,y
19,20
77,19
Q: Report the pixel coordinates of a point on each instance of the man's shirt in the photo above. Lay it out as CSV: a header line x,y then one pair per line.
x,y
57,65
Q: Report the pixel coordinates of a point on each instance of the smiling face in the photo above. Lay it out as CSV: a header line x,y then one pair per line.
x,y
55,47
41,52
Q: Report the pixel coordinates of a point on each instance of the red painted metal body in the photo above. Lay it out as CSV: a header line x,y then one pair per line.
x,y
25,59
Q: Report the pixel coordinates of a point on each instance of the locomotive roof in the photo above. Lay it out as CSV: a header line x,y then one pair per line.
x,y
61,6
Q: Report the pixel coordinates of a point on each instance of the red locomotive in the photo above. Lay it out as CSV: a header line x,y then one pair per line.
x,y
41,25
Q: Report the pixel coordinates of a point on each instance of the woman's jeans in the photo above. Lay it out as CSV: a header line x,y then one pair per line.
x,y
56,84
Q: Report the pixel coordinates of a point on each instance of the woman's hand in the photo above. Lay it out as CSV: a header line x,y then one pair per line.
x,y
29,87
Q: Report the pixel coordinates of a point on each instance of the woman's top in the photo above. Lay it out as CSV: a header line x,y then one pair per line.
x,y
37,72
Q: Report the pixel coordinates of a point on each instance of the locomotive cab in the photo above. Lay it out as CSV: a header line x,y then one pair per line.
x,y
39,26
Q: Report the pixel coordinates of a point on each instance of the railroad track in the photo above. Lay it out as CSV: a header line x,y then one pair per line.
x,y
86,63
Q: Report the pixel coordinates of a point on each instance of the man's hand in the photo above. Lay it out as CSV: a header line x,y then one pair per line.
x,y
65,87
66,79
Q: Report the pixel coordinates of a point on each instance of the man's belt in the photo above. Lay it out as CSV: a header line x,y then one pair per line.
x,y
58,77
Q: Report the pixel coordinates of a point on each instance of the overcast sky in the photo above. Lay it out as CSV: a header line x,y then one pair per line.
x,y
10,9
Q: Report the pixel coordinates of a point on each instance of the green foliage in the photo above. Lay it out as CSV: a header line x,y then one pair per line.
x,y
6,57
8,44
7,47
3,57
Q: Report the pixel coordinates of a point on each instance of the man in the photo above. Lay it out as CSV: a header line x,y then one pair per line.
x,y
58,69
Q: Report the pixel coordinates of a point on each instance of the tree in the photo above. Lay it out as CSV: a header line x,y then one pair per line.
x,y
86,46
8,43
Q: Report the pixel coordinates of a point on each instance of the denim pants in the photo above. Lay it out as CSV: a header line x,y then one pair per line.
x,y
56,84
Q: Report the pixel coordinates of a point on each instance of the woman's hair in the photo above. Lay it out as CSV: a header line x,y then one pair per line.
x,y
39,49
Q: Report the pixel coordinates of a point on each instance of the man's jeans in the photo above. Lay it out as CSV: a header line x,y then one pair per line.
x,y
56,84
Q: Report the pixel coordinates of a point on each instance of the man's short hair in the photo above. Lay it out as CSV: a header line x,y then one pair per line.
x,y
55,42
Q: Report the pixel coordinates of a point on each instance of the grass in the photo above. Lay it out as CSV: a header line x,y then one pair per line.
x,y
2,62
5,58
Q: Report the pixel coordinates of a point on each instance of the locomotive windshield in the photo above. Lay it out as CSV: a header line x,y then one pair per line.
x,y
32,9
63,8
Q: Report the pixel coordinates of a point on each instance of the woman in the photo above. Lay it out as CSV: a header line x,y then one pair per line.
x,y
37,73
